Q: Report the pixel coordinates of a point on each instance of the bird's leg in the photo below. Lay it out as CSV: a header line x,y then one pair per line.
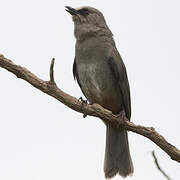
x,y
83,102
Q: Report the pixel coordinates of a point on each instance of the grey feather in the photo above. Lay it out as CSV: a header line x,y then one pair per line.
x,y
102,77
121,77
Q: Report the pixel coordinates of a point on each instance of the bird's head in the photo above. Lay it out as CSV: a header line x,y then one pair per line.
x,y
88,21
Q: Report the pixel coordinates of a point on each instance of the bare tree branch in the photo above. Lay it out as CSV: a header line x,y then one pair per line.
x,y
50,88
158,166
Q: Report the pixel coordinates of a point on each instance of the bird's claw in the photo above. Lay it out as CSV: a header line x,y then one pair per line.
x,y
85,102
121,117
84,115
82,100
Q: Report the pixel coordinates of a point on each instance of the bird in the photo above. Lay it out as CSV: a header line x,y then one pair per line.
x,y
102,77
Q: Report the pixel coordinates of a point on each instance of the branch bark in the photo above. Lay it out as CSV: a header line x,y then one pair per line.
x,y
50,88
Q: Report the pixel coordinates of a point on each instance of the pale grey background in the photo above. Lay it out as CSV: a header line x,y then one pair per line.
x,y
40,138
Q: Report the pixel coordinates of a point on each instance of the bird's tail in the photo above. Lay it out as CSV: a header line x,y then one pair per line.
x,y
117,155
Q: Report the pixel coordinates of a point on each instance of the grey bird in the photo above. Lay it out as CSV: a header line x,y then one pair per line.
x,y
102,77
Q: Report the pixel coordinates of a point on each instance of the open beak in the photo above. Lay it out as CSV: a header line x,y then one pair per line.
x,y
71,10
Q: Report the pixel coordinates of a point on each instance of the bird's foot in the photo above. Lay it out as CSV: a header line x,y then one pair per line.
x,y
83,102
121,117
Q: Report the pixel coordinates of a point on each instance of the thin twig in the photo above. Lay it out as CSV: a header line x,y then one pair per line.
x,y
158,166
52,71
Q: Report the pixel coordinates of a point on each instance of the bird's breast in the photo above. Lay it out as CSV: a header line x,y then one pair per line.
x,y
98,84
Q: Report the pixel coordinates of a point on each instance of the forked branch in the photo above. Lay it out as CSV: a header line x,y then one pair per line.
x,y
50,88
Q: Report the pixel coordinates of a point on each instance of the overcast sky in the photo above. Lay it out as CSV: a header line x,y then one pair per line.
x,y
40,138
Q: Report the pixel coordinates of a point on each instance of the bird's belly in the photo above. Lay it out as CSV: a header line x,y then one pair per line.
x,y
99,87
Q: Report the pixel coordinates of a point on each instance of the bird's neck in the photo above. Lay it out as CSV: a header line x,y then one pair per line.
x,y
103,34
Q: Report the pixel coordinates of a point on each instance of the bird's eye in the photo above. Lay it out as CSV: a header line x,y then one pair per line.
x,y
83,12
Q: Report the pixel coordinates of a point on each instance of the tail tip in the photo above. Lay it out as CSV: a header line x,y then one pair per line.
x,y
113,172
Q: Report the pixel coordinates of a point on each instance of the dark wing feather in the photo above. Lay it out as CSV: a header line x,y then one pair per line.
x,y
75,74
119,72
74,69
